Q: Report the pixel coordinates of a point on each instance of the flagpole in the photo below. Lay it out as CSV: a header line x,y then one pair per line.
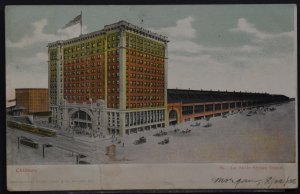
x,y
80,23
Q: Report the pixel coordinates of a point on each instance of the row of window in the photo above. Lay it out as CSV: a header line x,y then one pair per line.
x,y
111,58
83,84
113,90
67,97
113,75
209,107
134,118
68,67
53,65
92,44
148,50
113,82
83,60
133,38
88,71
53,84
146,77
82,91
141,90
148,84
84,46
113,97
113,67
145,104
82,78
144,98
84,54
146,47
112,45
53,54
113,105
112,37
145,62
113,52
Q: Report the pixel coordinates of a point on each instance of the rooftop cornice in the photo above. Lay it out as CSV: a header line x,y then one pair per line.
x,y
138,29
118,25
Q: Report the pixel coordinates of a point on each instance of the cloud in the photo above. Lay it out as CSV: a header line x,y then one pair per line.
x,y
71,31
183,29
233,73
36,63
243,26
193,47
38,58
39,36
185,45
182,37
30,72
252,66
28,79
248,48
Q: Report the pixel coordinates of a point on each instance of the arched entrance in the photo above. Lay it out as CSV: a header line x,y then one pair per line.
x,y
173,117
81,119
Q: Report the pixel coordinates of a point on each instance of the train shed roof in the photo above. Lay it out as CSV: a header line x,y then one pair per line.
x,y
195,96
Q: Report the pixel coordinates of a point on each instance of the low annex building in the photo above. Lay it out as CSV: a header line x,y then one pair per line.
x,y
190,105
32,100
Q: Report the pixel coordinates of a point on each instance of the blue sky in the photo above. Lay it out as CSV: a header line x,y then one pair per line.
x,y
218,47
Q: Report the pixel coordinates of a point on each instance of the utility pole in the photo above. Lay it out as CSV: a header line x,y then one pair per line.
x,y
43,150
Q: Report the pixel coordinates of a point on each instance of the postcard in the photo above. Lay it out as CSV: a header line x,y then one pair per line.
x,y
126,97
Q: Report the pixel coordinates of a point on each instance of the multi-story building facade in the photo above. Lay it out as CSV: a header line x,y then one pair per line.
x,y
32,100
114,79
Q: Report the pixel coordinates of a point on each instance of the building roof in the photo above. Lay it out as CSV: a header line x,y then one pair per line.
x,y
10,104
197,96
121,24
17,107
22,119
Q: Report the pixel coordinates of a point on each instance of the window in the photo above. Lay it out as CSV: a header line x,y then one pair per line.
x,y
208,107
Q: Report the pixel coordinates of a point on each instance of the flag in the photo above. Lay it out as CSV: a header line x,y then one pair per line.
x,y
74,21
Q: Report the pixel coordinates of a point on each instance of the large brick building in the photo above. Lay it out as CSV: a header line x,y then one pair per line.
x,y
32,100
114,78
115,81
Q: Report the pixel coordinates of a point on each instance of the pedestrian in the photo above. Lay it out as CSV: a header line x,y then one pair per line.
x,y
123,144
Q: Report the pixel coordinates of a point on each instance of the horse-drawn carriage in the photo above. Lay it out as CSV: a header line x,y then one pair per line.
x,y
161,133
176,130
195,124
207,125
140,140
186,131
165,141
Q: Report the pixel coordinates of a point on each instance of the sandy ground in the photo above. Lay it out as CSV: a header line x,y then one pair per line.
x,y
263,137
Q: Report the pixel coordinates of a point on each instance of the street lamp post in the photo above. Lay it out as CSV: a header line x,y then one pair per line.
x,y
18,142
78,156
45,146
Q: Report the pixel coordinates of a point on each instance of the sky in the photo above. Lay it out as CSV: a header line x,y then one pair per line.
x,y
212,47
